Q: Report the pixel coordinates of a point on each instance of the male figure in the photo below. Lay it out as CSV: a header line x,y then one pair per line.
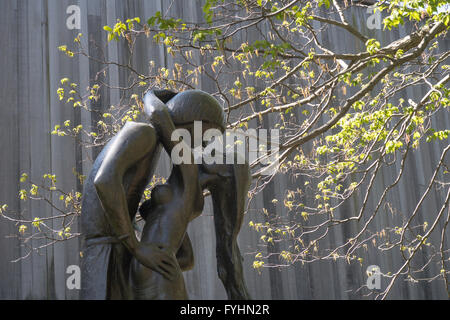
x,y
114,189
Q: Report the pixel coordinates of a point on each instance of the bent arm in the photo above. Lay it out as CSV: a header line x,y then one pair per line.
x,y
134,142
161,120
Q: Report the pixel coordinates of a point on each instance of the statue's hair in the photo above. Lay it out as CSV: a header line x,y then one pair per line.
x,y
196,105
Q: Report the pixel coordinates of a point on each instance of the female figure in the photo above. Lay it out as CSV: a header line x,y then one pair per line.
x,y
179,201
167,218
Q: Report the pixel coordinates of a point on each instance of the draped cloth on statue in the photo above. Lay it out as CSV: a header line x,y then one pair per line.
x,y
105,264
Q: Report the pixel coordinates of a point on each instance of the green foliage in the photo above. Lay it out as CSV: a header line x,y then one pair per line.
x,y
164,23
207,10
414,10
341,119
372,46
118,31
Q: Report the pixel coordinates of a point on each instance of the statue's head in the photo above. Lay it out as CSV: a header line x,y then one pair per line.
x,y
196,105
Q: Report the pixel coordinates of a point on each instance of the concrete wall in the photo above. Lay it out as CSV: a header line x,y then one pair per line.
x,y
31,67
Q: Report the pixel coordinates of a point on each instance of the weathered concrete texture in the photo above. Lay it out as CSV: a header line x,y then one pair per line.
x,y
31,69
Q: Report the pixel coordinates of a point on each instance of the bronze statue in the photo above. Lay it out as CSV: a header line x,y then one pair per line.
x,y
118,266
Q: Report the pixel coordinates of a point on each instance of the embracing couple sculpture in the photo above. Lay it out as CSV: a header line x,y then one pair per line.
x,y
115,264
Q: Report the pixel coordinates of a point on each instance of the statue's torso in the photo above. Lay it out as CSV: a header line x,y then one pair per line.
x,y
135,180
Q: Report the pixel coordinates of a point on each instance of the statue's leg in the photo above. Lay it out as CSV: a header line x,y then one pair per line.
x,y
118,271
172,290
147,284
94,271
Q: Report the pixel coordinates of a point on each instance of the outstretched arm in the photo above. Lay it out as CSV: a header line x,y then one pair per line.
x,y
159,115
161,120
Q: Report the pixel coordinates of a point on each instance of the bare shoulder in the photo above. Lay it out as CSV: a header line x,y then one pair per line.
x,y
137,132
133,142
138,128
